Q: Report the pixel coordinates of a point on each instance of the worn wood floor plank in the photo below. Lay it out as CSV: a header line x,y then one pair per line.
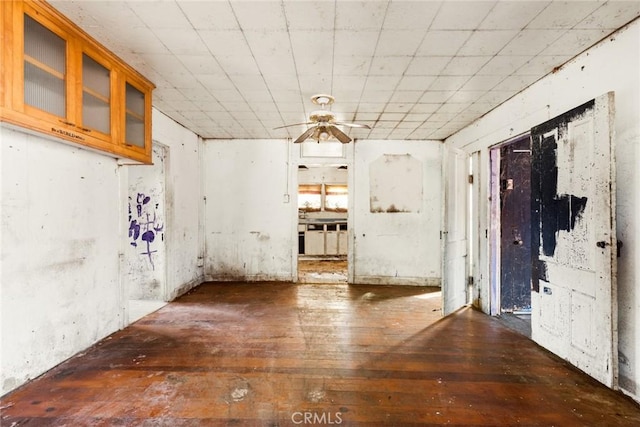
x,y
273,354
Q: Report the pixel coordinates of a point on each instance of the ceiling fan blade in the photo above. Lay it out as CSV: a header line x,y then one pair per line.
x,y
305,135
293,124
340,136
353,125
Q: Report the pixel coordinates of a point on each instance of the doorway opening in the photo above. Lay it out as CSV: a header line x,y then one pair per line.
x,y
145,261
511,233
323,197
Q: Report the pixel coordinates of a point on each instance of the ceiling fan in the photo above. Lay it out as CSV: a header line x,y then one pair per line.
x,y
324,123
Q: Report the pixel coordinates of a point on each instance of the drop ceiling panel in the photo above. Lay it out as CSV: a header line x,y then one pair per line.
x,y
411,69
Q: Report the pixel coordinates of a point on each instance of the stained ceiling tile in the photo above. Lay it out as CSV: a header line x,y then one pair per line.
x,y
531,42
427,65
464,65
360,15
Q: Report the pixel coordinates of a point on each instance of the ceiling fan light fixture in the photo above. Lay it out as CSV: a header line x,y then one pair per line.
x,y
322,99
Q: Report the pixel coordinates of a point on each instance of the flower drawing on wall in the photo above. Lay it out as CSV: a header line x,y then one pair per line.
x,y
144,225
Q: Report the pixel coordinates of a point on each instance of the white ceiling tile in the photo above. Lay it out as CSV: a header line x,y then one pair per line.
x,y
159,15
225,42
433,97
451,83
512,15
449,16
516,83
360,43
541,65
531,42
182,41
376,96
371,107
443,43
235,64
487,42
342,83
209,15
259,15
415,83
360,15
482,82
266,69
563,14
215,82
201,64
311,85
399,42
351,65
398,107
464,65
316,15
403,15
466,96
503,65
313,51
427,65
410,96
381,83
452,108
226,95
389,65
611,15
425,108
575,41
278,82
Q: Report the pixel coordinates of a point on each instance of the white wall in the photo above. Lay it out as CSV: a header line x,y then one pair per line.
x,y
61,234
399,247
184,228
249,223
613,65
63,225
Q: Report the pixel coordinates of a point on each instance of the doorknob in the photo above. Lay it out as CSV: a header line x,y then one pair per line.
x,y
602,244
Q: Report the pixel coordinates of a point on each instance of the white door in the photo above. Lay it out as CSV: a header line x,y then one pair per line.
x,y
456,182
573,238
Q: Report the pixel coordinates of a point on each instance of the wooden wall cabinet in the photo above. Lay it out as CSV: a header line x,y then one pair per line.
x,y
58,81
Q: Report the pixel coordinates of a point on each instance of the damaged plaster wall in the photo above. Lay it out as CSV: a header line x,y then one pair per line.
x,y
398,244
612,65
184,229
59,253
249,220
63,225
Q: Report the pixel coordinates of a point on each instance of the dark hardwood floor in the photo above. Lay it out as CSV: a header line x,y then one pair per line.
x,y
273,354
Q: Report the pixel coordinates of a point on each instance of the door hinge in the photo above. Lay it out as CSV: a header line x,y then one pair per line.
x,y
470,179
470,281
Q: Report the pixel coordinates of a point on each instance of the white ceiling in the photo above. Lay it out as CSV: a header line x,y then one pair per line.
x,y
410,69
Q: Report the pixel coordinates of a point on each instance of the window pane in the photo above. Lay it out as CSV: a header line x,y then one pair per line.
x,y
336,198
96,84
44,68
135,117
310,197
